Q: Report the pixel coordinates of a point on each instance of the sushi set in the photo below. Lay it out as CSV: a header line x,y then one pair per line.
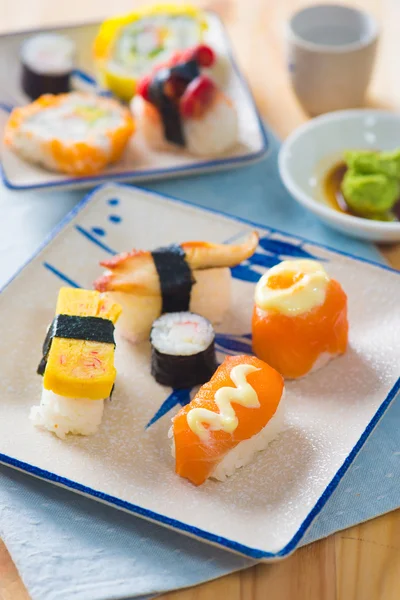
x,y
211,375
152,94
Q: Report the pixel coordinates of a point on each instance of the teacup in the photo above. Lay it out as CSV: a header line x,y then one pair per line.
x,y
331,51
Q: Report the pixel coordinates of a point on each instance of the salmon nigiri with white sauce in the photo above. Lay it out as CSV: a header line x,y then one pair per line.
x,y
232,417
300,318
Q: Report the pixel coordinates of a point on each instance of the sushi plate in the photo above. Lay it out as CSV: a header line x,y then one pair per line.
x,y
139,163
264,509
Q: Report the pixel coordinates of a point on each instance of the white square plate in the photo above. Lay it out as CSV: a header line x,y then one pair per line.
x,y
139,163
264,509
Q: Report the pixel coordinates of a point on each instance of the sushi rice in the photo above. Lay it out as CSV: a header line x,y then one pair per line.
x,y
212,135
63,415
181,334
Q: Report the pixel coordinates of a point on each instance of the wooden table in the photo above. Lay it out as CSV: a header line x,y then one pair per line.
x,y
363,562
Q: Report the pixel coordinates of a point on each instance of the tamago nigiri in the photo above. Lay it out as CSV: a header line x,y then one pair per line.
x,y
232,417
78,363
300,318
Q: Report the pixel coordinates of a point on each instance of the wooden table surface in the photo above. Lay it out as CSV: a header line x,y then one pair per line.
x,y
363,562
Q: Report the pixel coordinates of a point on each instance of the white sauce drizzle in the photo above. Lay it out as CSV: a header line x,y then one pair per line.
x,y
302,296
226,420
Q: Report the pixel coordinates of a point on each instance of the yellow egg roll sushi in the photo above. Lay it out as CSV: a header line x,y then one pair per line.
x,y
76,133
129,46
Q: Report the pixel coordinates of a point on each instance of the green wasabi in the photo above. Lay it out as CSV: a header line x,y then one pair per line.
x,y
371,162
371,185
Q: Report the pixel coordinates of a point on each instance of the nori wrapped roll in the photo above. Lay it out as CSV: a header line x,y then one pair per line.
x,y
183,352
47,64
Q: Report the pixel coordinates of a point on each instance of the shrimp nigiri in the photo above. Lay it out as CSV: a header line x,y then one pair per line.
x,y
232,417
299,319
191,276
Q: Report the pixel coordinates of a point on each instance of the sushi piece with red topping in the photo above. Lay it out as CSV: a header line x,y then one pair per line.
x,y
180,107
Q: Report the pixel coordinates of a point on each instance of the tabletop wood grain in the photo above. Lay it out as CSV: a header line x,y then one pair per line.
x,y
360,563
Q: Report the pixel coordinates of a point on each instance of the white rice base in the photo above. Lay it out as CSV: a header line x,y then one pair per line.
x,y
181,334
322,360
215,133
211,294
138,315
63,415
244,453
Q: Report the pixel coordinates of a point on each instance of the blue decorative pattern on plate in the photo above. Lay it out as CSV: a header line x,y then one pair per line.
x,y
264,509
138,163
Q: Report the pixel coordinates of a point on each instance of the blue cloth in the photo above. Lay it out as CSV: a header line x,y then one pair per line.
x,y
66,546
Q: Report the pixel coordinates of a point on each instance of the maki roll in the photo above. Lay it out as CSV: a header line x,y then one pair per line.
x,y
192,276
47,64
76,133
183,352
77,363
178,107
299,318
231,418
127,47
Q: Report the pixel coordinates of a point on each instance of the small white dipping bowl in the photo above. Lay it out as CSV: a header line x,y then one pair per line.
x,y
312,149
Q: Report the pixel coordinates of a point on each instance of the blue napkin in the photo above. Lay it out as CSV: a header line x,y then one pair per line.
x,y
66,546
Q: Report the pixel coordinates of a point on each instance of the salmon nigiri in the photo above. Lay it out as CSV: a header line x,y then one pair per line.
x,y
233,416
300,318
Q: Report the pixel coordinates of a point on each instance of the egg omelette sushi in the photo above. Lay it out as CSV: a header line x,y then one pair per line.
x,y
77,364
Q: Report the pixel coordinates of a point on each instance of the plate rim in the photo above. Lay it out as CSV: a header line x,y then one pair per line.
x,y
205,167
179,526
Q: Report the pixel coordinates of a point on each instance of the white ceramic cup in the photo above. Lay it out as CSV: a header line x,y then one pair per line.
x,y
331,51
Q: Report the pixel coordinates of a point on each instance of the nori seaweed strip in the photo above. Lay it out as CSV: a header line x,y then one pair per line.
x,y
183,371
90,329
168,109
175,277
36,84
75,327
186,71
